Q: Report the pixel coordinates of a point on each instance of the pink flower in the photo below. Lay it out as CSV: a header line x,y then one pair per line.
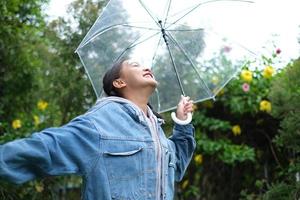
x,y
246,87
226,49
278,51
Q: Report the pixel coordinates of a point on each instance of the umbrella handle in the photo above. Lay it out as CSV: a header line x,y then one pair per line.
x,y
182,122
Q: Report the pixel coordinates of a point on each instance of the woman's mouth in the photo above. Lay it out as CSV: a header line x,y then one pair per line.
x,y
148,75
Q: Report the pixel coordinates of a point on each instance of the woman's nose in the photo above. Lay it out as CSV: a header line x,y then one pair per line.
x,y
147,69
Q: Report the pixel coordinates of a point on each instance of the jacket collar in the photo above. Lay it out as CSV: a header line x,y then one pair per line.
x,y
132,108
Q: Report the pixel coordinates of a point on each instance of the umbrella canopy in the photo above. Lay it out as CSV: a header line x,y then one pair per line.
x,y
193,47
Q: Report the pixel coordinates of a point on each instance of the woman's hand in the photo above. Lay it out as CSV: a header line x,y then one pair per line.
x,y
184,106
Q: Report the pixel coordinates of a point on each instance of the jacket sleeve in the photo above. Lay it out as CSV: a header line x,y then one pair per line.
x,y
53,151
183,138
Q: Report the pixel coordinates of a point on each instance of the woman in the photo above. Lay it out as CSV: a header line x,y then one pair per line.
x,y
118,146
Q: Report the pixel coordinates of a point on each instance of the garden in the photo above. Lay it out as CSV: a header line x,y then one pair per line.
x,y
248,138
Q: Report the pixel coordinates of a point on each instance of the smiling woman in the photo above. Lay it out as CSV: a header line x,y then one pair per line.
x,y
129,75
133,78
119,130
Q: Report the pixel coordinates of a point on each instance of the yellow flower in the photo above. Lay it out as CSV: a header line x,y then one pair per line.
x,y
198,159
268,72
215,80
185,184
36,120
39,187
208,104
265,106
16,124
236,130
246,75
195,107
42,105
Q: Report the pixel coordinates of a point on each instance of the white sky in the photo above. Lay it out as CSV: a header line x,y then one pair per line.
x,y
57,8
274,17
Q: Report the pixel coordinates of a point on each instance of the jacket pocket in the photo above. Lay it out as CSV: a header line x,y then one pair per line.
x,y
127,153
124,172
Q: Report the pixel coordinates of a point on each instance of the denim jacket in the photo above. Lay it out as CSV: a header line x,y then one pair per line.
x,y
112,147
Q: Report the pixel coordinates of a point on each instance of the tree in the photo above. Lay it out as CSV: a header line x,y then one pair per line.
x,y
22,24
285,97
64,35
38,64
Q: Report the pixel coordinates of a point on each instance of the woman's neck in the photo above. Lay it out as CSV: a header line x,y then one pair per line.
x,y
140,102
139,99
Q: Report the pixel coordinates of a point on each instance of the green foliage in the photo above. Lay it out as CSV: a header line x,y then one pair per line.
x,y
234,136
254,161
76,93
282,191
226,151
38,64
211,124
22,26
285,104
285,96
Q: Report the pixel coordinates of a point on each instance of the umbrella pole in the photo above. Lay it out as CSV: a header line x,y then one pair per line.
x,y
173,114
171,56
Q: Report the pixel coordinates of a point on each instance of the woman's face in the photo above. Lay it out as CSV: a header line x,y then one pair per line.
x,y
137,76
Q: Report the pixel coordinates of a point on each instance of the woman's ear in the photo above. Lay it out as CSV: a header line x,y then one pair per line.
x,y
119,83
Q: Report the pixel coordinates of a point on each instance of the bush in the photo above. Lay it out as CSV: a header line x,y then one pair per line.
x,y
236,157
285,96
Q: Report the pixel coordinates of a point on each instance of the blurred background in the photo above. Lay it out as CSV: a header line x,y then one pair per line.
x,y
248,139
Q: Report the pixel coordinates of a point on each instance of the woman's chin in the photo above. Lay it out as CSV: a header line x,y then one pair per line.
x,y
153,82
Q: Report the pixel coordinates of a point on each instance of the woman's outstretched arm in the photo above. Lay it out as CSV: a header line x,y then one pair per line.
x,y
53,151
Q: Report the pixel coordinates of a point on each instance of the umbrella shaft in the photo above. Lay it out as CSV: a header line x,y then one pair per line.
x,y
175,68
163,31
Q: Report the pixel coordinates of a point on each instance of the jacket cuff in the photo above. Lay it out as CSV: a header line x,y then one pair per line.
x,y
185,129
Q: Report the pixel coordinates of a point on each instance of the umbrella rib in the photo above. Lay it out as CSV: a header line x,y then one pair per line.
x,y
88,74
234,41
157,93
156,50
167,14
110,27
143,5
202,3
141,27
196,29
133,44
192,63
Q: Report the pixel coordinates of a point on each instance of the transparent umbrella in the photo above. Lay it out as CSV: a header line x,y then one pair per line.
x,y
193,47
